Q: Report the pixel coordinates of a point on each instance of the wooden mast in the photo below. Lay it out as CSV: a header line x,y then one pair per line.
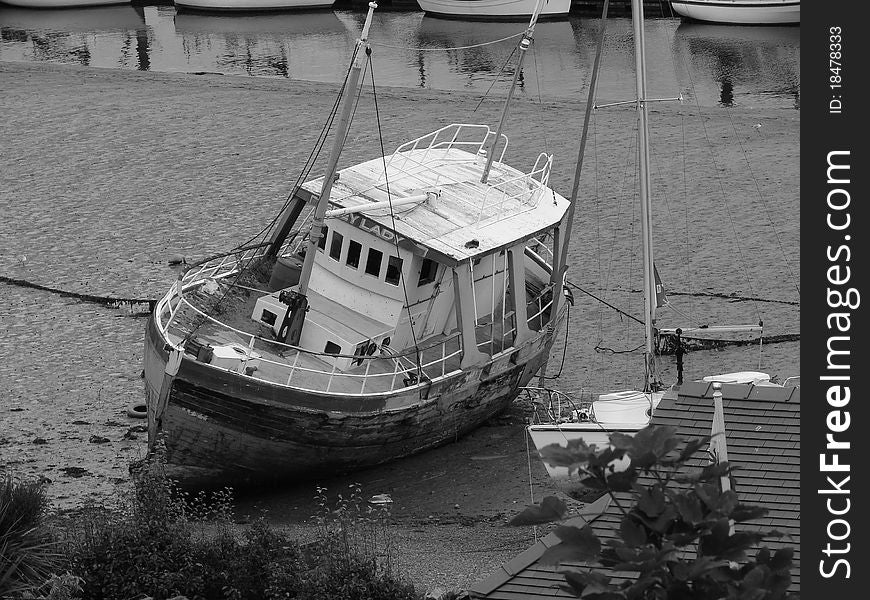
x,y
298,301
649,312
524,45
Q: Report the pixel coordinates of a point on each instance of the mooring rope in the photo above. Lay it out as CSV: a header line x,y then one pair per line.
x,y
110,301
480,45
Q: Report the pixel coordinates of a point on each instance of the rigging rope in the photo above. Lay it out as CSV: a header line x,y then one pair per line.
x,y
761,200
202,319
719,182
371,69
480,45
312,156
494,81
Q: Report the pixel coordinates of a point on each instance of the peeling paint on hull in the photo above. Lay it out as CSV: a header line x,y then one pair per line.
x,y
242,429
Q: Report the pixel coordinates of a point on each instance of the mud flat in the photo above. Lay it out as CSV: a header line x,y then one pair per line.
x,y
107,174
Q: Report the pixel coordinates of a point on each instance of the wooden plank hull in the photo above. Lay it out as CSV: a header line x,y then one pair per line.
x,y
231,428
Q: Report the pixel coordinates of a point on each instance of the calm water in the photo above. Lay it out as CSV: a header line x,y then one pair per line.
x,y
724,65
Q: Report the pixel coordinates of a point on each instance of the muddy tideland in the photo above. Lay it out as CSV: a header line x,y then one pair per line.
x,y
107,175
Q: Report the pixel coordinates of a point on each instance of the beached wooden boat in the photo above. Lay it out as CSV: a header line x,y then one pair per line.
x,y
744,12
61,3
494,10
251,5
395,305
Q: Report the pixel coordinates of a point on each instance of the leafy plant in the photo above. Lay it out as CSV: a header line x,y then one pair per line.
x,y
354,556
678,539
27,554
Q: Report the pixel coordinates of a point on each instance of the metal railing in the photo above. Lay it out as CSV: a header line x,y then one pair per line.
x,y
437,361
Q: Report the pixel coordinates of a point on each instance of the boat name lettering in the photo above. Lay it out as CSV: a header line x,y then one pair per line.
x,y
370,226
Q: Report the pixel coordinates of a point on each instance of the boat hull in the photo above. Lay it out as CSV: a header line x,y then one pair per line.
x,y
62,3
251,5
493,9
591,432
233,429
742,12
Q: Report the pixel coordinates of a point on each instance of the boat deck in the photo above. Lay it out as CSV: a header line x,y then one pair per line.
x,y
252,353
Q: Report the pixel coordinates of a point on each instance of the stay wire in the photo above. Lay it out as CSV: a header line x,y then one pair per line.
x,y
392,214
312,157
427,49
762,202
494,81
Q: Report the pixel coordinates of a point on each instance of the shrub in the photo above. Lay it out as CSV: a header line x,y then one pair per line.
x,y
678,539
27,555
354,557
166,543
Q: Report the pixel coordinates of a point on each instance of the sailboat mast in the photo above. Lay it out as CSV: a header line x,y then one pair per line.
x,y
301,306
524,45
650,370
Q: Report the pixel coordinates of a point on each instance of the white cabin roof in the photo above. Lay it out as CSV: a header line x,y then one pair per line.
x,y
510,208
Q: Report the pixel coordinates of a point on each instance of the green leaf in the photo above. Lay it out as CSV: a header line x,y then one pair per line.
x,y
726,503
691,448
744,512
550,509
715,542
665,521
632,532
782,559
577,544
623,481
755,578
621,441
689,508
651,502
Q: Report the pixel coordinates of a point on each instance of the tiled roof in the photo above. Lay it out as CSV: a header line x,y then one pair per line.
x,y
762,425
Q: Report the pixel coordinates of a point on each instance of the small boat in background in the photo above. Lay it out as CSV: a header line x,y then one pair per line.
x,y
744,12
558,419
494,10
61,3
251,5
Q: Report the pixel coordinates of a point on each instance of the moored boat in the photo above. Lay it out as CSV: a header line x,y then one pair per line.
x,y
61,3
745,12
251,5
394,306
494,10
557,418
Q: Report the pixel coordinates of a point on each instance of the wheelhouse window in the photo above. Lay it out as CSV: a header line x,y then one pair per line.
x,y
321,243
335,246
394,270
332,348
428,270
354,249
373,263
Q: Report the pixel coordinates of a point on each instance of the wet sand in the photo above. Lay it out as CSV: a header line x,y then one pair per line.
x,y
106,174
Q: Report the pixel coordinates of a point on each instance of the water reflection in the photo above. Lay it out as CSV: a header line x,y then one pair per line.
x,y
713,64
263,44
553,49
76,35
738,57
